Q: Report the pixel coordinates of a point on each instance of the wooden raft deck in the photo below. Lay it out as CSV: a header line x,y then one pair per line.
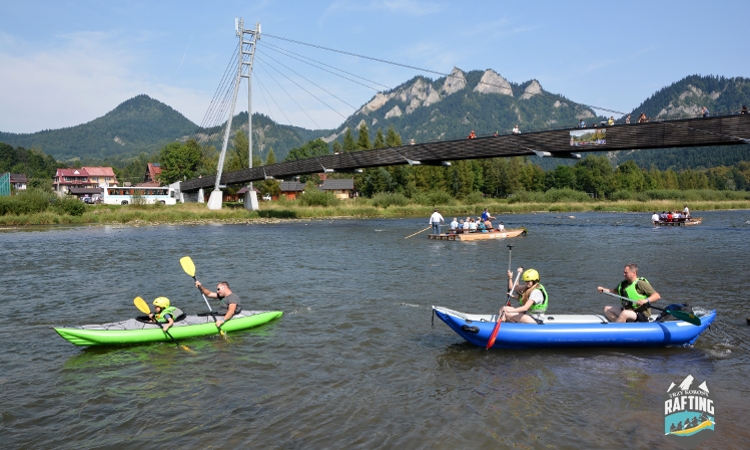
x,y
478,236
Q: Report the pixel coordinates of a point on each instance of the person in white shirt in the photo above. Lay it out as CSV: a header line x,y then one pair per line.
x,y
686,212
516,130
435,220
655,218
454,225
472,226
466,225
500,227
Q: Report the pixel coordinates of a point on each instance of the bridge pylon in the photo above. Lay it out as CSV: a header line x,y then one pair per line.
x,y
246,48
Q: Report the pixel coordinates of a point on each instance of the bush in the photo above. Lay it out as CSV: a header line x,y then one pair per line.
x,y
474,198
28,202
566,195
316,197
384,200
439,198
69,205
527,197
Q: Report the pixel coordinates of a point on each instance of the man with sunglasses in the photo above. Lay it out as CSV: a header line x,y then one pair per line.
x,y
230,303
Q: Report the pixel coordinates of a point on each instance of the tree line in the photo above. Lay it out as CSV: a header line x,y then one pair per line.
x,y
495,177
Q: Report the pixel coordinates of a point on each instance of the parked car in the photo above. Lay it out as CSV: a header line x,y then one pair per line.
x,y
266,198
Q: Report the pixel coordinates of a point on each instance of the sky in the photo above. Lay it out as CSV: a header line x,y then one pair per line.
x,y
63,63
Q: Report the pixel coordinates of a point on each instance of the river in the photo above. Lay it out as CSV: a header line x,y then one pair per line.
x,y
354,362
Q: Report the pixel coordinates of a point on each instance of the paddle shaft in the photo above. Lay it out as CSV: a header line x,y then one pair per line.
x,y
650,305
493,336
687,317
421,231
510,252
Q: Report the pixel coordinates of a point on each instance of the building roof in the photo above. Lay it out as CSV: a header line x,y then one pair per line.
x,y
72,173
291,186
81,191
18,178
338,184
244,189
148,184
100,171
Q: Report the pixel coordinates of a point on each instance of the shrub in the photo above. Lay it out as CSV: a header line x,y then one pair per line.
x,y
384,200
474,198
566,195
69,205
316,197
28,202
527,197
439,198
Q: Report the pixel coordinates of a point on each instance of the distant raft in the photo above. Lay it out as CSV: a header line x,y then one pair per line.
x,y
679,222
139,330
478,235
568,330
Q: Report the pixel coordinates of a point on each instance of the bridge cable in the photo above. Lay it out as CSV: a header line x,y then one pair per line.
x,y
301,76
272,98
447,75
308,92
261,66
288,54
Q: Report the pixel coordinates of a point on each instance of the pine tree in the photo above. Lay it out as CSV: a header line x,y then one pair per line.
x,y
271,158
379,140
349,144
363,143
392,139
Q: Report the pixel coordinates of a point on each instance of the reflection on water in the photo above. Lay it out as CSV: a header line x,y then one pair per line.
x,y
354,361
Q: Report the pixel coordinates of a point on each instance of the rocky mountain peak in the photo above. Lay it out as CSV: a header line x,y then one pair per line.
x,y
493,83
534,88
454,82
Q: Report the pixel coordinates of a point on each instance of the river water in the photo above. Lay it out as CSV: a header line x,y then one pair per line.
x,y
354,362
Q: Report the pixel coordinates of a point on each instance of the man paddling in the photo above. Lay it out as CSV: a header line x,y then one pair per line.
x,y
230,303
637,289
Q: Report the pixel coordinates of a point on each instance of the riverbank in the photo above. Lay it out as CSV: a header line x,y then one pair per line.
x,y
189,213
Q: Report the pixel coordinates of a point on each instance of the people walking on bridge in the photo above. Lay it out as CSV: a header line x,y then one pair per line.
x,y
472,135
435,220
642,118
516,130
627,119
704,112
230,302
640,294
743,110
581,124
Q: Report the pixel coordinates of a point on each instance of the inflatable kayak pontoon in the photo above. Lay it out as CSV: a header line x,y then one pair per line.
x,y
567,330
138,330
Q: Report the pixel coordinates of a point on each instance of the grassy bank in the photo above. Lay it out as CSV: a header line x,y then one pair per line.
x,y
361,208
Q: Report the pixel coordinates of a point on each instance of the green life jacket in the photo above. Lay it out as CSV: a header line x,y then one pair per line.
x,y
537,308
631,293
171,310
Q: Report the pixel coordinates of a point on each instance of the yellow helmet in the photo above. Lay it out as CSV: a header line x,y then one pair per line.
x,y
531,275
161,302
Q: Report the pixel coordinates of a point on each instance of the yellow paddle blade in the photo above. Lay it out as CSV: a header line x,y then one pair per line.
x,y
187,265
141,305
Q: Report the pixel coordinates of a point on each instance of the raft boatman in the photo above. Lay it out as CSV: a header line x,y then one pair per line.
x,y
637,289
164,314
532,298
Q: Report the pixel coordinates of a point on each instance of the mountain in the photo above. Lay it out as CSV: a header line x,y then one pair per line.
x,y
420,109
685,98
450,107
136,125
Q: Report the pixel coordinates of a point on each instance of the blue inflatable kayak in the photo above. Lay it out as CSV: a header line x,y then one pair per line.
x,y
568,330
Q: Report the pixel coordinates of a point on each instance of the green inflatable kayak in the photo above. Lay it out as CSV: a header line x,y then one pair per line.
x,y
138,331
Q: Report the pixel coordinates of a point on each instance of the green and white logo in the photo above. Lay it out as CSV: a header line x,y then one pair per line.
x,y
688,413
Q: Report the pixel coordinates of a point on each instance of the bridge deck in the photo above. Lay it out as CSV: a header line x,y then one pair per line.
x,y
720,130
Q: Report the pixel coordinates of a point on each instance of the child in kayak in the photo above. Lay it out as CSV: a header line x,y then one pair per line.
x,y
164,314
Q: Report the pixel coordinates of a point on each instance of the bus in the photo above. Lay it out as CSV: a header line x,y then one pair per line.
x,y
122,195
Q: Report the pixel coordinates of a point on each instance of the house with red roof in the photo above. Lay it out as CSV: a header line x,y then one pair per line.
x,y
86,180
